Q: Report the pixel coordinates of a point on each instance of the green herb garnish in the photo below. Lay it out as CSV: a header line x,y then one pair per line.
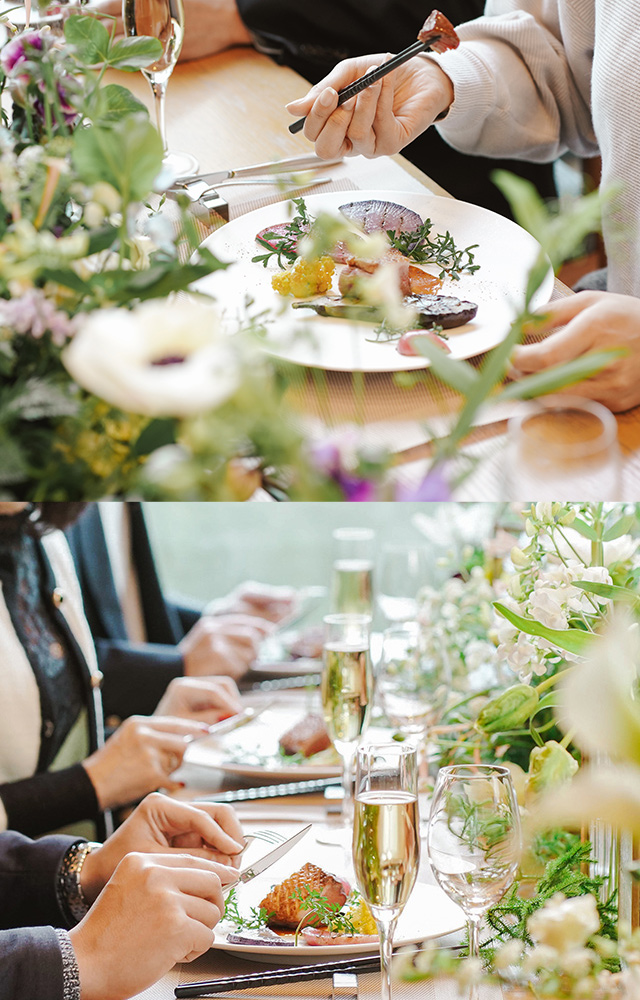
x,y
441,250
285,246
256,920
315,904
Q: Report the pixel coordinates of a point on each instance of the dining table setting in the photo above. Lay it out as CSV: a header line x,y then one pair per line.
x,y
232,169
362,383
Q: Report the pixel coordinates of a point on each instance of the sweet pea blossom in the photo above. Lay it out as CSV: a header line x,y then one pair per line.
x,y
160,359
32,313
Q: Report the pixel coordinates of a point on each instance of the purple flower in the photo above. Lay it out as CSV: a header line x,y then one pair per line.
x,y
15,51
327,458
434,486
34,314
356,490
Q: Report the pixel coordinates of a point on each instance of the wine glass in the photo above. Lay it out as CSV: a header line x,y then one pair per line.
x,y
345,688
386,841
402,571
412,681
164,20
352,577
474,839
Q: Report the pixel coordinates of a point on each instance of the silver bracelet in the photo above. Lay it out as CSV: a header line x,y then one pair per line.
x,y
71,897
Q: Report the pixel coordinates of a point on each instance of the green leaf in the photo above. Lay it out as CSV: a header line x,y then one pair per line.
x,y
89,37
114,102
610,591
65,277
460,375
134,53
622,527
155,435
584,529
127,155
572,639
13,466
556,378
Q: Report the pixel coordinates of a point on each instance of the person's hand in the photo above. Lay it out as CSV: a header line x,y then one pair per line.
x,y
260,600
139,758
210,25
221,646
591,321
153,912
161,825
201,699
383,118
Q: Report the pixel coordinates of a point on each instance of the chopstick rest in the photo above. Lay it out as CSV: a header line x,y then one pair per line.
x,y
437,34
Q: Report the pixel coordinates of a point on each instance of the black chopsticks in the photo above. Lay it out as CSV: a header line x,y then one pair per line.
x,y
365,81
297,974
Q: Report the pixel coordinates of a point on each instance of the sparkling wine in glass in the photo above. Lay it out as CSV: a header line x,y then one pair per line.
x,y
352,575
386,840
474,839
346,687
164,20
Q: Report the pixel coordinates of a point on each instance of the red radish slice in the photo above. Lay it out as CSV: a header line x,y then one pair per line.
x,y
407,345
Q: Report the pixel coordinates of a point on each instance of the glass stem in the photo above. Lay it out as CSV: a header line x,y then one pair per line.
x,y
474,949
386,929
159,91
347,783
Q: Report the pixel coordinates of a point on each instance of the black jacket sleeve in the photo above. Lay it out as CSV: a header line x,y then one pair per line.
x,y
49,800
30,957
135,677
28,872
30,964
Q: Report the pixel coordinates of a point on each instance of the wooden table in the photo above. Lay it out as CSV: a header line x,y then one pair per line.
x,y
228,110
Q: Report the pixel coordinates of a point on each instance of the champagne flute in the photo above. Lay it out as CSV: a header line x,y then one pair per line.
x,y
474,839
346,696
164,20
386,841
352,579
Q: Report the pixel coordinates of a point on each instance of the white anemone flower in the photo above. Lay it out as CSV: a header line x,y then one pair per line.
x,y
163,358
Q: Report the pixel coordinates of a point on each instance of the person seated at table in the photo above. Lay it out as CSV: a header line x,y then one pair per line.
x,y
82,921
144,640
530,79
312,37
55,767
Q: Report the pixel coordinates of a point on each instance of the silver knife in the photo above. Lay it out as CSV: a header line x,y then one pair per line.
x,y
309,161
233,722
247,874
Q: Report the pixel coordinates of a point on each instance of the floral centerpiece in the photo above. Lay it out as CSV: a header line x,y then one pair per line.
x,y
112,381
567,626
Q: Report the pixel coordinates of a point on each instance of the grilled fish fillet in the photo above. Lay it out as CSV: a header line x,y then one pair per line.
x,y
286,912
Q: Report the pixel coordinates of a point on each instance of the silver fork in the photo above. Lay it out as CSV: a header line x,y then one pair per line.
x,y
268,836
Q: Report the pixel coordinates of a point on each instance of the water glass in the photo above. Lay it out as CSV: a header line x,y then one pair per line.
x,y
401,572
563,447
474,839
412,681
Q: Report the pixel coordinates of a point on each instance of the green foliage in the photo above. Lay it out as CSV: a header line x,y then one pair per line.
x,y
565,874
318,910
574,640
256,920
126,154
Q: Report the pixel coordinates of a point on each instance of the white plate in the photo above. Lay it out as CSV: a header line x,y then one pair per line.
x,y
257,738
505,252
428,914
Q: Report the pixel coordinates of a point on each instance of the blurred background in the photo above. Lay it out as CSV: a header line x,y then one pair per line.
x,y
204,550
